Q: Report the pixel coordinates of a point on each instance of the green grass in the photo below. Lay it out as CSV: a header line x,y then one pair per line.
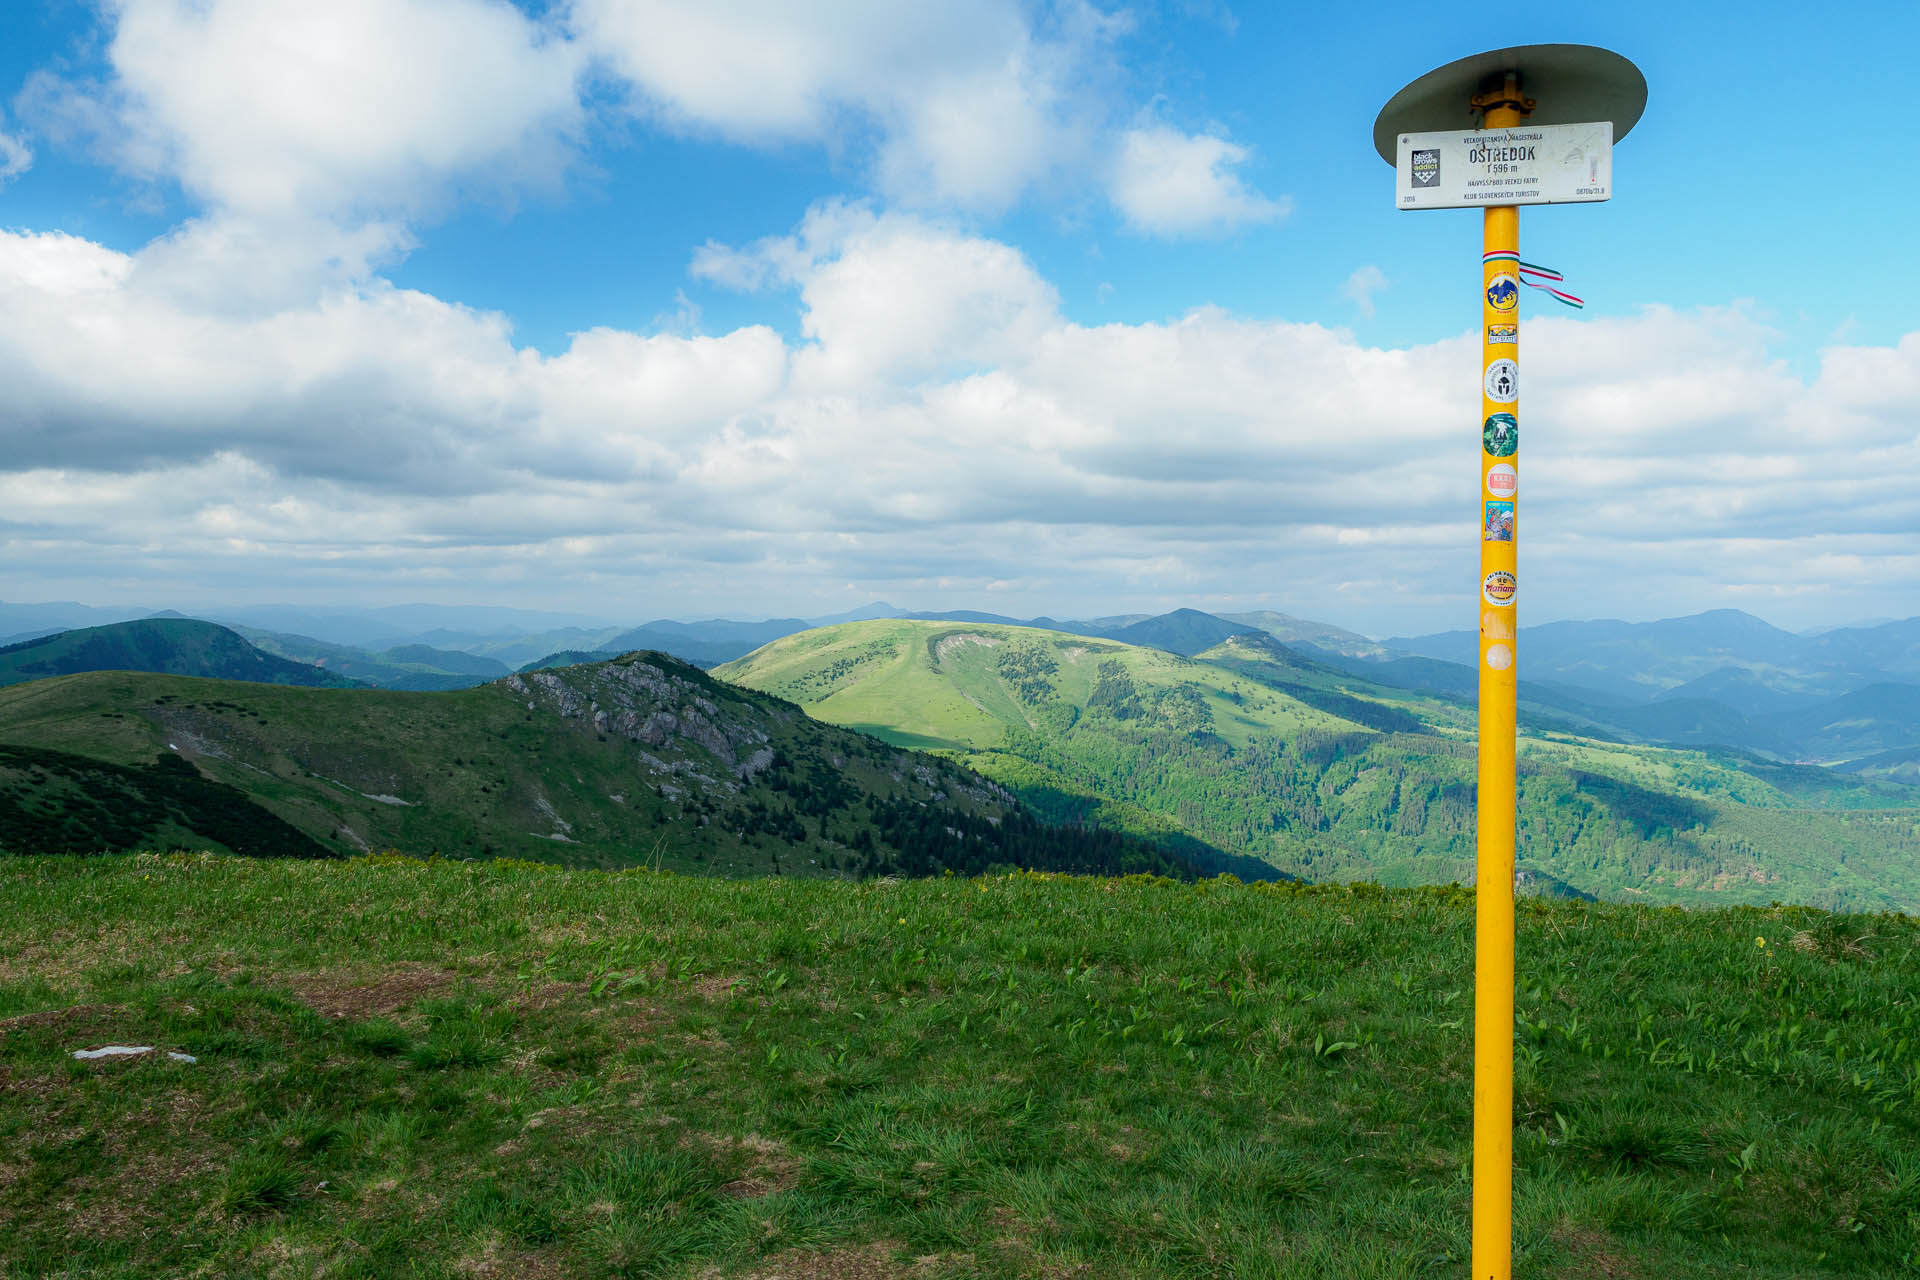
x,y
451,1069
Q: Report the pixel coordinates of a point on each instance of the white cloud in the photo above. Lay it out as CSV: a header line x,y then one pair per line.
x,y
1362,285
277,107
939,432
369,116
1166,182
310,137
956,106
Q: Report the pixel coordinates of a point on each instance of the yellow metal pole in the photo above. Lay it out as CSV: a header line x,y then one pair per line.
x,y
1497,591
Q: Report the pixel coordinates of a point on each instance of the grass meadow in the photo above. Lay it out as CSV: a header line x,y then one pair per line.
x,y
444,1069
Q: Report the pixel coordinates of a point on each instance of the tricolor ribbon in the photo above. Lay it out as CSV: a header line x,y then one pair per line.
x,y
1532,276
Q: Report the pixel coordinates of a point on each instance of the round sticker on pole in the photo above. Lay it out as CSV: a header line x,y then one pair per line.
x,y
1502,382
1500,436
1503,293
1499,588
1502,480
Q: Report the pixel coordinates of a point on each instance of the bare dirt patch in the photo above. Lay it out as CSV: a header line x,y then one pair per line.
x,y
340,996
714,986
766,1164
491,1257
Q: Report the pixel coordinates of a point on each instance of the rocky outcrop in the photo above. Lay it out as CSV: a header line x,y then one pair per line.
x,y
657,708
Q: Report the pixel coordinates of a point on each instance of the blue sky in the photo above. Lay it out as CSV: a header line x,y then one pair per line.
x,y
638,307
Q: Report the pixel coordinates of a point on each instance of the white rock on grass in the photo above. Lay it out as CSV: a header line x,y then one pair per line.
x,y
129,1051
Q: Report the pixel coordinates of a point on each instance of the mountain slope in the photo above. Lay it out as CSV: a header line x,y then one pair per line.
x,y
417,668
1262,751
176,646
639,760
1321,635
1183,631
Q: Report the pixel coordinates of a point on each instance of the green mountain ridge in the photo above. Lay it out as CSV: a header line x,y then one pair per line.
x,y
1257,749
642,760
177,646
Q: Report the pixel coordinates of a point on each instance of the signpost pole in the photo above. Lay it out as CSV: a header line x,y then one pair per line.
x,y
1561,153
1497,606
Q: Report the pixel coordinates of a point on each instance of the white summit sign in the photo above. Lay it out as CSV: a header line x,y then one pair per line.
x,y
1525,164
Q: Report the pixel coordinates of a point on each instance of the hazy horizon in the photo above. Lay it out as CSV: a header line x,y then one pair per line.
x,y
558,618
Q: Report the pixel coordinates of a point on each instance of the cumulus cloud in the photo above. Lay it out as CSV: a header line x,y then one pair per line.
x,y
938,431
944,107
888,298
954,106
309,139
1167,182
355,106
370,116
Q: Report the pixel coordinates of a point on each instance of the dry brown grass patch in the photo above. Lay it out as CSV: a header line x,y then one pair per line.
x,y
79,1014
546,996
714,986
876,1261
342,996
766,1164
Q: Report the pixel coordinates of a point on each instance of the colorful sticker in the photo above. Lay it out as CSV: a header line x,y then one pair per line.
x,y
1502,480
1503,292
1500,436
1502,382
1496,525
1503,335
1498,588
1426,168
1494,626
1499,657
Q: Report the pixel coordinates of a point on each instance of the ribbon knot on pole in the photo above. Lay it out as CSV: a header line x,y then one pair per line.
x,y
1536,277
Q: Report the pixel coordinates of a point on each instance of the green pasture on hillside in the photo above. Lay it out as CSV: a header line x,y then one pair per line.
x,y
497,1069
1255,750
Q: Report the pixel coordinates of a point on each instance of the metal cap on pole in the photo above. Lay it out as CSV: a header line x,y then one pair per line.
x,y
1570,83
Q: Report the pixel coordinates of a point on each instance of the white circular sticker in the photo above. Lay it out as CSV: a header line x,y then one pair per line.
x,y
1499,657
1499,588
1502,480
1502,381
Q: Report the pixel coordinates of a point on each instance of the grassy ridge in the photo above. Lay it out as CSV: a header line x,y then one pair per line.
x,y
642,760
497,1069
1257,751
